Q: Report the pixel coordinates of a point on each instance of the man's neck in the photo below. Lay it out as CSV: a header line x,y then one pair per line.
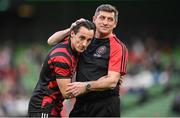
x,y
72,44
102,36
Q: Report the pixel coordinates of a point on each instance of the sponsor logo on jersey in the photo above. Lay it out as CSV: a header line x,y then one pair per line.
x,y
100,51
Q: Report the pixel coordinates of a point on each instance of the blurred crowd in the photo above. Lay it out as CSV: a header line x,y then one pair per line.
x,y
15,69
151,62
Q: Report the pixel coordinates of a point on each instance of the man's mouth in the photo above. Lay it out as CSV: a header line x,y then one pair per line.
x,y
82,49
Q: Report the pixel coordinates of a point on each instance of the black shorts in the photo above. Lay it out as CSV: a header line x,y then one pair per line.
x,y
107,107
40,115
46,112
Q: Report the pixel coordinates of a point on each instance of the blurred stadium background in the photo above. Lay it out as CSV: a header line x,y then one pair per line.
x,y
150,29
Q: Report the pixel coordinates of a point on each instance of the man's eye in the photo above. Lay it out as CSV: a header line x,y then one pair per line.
x,y
101,18
110,19
81,38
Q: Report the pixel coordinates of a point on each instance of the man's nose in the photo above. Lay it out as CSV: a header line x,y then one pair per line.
x,y
85,43
105,21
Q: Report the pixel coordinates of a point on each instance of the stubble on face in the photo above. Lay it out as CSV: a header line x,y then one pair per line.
x,y
83,39
105,23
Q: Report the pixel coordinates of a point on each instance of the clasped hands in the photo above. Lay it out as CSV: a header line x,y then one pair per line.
x,y
75,89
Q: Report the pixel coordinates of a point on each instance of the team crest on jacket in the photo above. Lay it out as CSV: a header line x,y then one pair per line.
x,y
100,51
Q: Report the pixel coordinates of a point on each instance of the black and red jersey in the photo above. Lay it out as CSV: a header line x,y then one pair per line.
x,y
60,63
101,56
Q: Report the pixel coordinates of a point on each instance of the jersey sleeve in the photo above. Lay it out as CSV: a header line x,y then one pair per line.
x,y
61,67
118,58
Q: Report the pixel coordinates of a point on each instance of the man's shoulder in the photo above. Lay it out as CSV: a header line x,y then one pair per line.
x,y
62,44
60,47
117,41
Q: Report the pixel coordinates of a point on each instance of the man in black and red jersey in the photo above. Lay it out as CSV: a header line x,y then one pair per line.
x,y
57,71
100,68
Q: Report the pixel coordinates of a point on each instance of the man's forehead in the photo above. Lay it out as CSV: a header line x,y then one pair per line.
x,y
105,13
86,32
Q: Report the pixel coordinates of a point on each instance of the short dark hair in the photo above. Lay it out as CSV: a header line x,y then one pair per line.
x,y
107,8
86,23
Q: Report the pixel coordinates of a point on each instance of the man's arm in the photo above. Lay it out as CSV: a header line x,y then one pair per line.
x,y
63,78
58,36
63,85
106,82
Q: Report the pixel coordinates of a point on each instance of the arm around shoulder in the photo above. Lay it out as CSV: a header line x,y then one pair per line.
x,y
58,36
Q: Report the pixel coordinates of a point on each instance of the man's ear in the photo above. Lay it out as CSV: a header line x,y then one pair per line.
x,y
94,18
115,25
72,33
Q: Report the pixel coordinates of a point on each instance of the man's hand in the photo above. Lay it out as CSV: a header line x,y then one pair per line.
x,y
76,88
76,22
